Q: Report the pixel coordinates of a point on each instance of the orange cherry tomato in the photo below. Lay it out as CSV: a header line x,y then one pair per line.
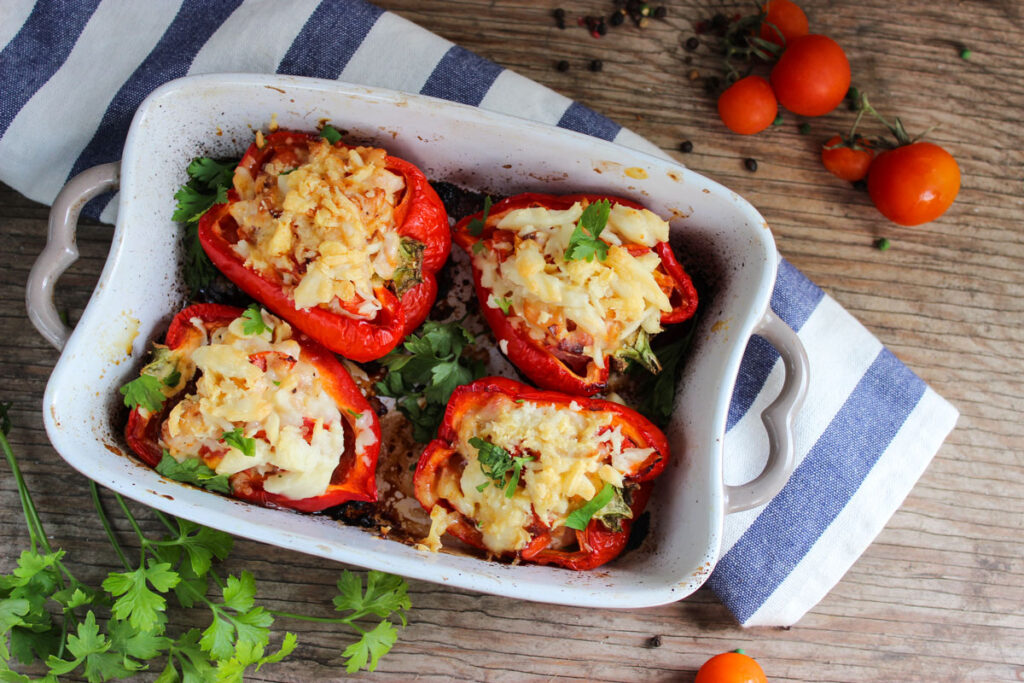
x,y
731,667
748,106
812,75
914,184
845,162
787,17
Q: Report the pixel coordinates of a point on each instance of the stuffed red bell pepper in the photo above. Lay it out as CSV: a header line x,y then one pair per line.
x,y
236,402
538,476
342,242
570,284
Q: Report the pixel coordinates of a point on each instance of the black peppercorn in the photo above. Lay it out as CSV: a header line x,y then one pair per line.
x,y
686,147
601,29
750,164
562,65
692,43
660,12
654,641
595,65
559,15
616,19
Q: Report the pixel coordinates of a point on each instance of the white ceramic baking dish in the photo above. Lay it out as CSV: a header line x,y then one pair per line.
x,y
716,232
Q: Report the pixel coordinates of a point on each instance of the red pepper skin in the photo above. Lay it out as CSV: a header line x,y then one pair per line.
x,y
420,215
355,476
597,544
534,359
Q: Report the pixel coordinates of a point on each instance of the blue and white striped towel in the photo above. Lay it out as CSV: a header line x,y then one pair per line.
x,y
72,73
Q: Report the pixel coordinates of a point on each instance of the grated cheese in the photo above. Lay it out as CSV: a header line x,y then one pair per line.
x,y
271,406
607,301
325,227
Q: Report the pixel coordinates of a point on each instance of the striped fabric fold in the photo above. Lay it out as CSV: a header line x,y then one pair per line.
x,y
869,427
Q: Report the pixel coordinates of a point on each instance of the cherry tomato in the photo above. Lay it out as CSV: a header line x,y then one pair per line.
x,y
787,17
731,667
914,184
812,75
748,106
845,162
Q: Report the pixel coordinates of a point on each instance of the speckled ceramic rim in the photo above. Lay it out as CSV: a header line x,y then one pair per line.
x,y
139,290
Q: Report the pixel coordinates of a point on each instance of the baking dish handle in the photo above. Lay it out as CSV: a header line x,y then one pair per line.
x,y
777,418
61,249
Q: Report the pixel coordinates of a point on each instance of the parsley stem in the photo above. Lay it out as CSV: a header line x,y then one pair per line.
x,y
36,533
166,522
105,521
143,541
319,620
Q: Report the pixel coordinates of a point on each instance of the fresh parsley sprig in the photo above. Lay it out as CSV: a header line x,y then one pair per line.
x,y
236,438
331,134
495,463
145,391
193,471
51,619
585,242
208,184
253,321
424,371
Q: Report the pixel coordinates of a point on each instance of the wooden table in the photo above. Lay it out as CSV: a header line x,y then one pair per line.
x,y
940,594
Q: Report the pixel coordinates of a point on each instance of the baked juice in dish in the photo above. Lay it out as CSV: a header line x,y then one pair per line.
x,y
538,476
573,285
343,242
237,402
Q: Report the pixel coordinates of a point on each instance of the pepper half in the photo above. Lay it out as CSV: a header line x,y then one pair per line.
x,y
421,223
556,362
480,503
353,478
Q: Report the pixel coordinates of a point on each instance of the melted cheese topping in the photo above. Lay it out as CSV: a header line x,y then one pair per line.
x,y
326,227
259,384
607,301
575,452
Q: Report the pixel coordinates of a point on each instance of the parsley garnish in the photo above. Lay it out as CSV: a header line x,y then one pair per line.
x,y
580,517
236,439
208,184
475,227
330,133
495,462
504,304
638,350
145,391
424,371
253,324
584,242
479,247
659,391
193,471
354,414
124,627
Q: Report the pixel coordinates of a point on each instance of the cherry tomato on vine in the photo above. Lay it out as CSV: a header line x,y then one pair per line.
x,y
812,76
731,667
914,183
787,17
748,106
845,162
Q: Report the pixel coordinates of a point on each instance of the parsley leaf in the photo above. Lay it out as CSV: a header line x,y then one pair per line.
x,y
212,173
208,184
145,391
495,462
475,227
580,517
137,603
504,304
584,242
193,471
659,391
330,133
368,650
236,439
425,370
253,323
638,350
385,593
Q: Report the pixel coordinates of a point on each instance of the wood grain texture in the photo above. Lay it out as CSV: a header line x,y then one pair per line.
x,y
939,596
